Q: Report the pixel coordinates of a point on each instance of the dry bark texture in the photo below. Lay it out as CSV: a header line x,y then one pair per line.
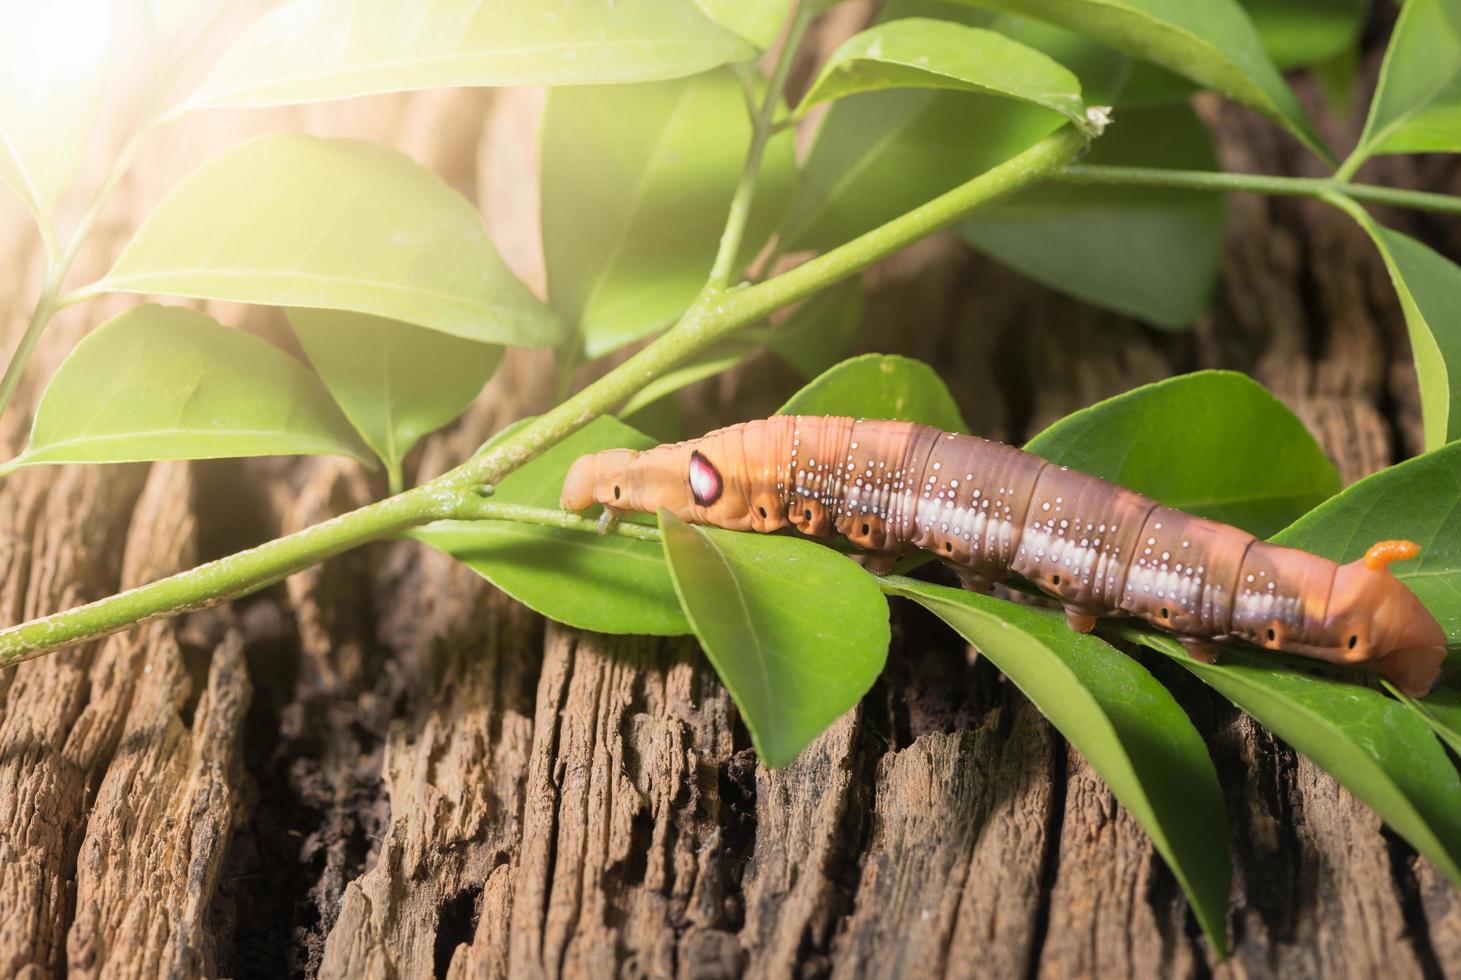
x,y
384,769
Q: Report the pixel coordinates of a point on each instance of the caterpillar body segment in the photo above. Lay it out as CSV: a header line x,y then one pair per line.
x,y
989,510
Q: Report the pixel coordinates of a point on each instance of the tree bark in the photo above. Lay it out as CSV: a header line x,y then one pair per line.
x,y
384,768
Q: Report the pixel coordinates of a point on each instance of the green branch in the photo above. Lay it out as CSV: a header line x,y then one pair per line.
x,y
1206,180
717,315
227,578
762,127
713,317
491,510
50,301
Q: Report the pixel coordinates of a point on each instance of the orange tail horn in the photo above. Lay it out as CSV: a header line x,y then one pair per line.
x,y
1382,553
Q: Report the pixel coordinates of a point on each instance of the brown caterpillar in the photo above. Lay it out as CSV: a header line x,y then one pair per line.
x,y
989,510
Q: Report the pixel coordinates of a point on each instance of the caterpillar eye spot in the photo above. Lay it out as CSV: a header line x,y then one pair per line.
x,y
705,482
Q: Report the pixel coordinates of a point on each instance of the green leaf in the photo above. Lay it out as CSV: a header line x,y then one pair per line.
x,y
758,21
53,59
1427,284
1213,43
1419,500
396,382
923,53
721,357
1299,34
636,184
793,666
882,154
1213,443
879,386
1441,709
1127,725
605,583
1377,747
1147,252
311,50
160,382
819,331
341,224
1416,107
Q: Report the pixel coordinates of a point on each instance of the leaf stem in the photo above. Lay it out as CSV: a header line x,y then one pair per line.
x,y
493,510
1204,180
714,316
762,125
50,300
45,308
227,578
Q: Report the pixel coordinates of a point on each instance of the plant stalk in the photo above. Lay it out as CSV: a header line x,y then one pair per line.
x,y
227,578
717,315
762,128
714,316
1205,180
50,300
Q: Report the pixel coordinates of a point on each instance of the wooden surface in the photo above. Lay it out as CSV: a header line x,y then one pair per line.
x,y
383,768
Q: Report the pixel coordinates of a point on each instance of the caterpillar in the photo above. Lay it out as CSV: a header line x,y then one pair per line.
x,y
990,510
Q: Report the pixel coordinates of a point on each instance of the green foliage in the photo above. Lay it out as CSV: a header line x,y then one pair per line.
x,y
1213,43
1128,727
161,382
340,224
717,360
1150,252
48,104
881,154
1213,443
396,382
816,334
879,386
1377,747
1308,33
931,54
1427,284
636,183
1441,709
311,50
797,632
605,583
758,21
1419,500
1417,103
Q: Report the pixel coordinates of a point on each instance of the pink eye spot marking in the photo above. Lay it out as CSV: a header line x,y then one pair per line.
x,y
705,482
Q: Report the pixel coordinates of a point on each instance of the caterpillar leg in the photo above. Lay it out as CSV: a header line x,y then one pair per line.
x,y
878,562
970,580
1080,620
1200,649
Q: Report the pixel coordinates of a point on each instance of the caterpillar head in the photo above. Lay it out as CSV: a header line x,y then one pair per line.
x,y
598,478
1374,619
693,480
